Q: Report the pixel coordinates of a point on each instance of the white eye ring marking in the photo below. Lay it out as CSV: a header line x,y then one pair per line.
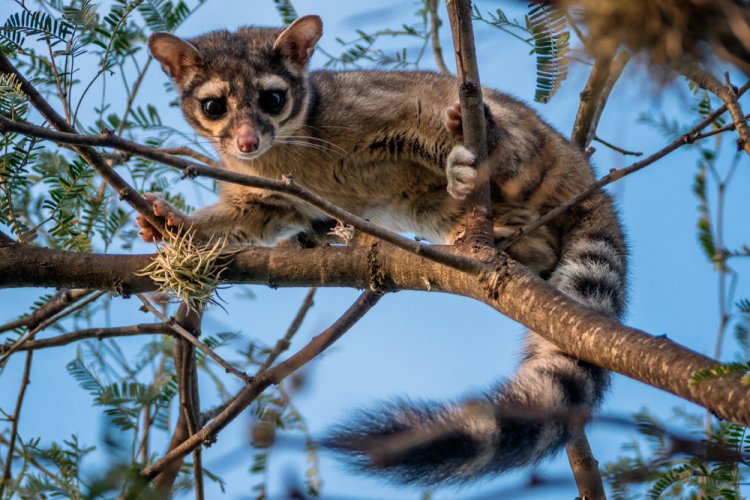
x,y
274,82
215,87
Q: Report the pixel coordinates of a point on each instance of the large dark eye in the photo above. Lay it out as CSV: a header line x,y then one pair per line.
x,y
272,101
214,107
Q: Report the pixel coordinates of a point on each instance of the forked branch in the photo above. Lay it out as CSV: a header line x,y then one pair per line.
x,y
729,95
275,375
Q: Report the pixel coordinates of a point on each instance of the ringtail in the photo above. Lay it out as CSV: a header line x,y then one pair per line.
x,y
388,147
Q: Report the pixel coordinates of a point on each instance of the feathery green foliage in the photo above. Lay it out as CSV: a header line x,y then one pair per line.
x,y
544,29
659,472
547,25
363,49
89,60
286,10
662,472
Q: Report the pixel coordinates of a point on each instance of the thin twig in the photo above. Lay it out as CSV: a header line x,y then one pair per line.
x,y
60,91
93,333
149,418
183,355
99,198
324,340
133,92
616,174
15,418
54,305
191,153
281,346
177,328
283,343
121,157
726,93
720,130
247,395
121,187
437,50
624,152
51,321
579,33
33,461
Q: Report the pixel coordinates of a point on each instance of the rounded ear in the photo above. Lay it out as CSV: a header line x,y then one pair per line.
x,y
175,54
297,41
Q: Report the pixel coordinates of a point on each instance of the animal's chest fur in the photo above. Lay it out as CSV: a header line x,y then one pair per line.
x,y
379,179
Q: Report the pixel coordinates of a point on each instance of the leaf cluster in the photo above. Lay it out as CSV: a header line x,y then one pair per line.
x,y
544,29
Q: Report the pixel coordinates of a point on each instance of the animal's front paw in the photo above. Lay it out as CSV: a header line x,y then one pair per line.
x,y
460,172
173,217
453,122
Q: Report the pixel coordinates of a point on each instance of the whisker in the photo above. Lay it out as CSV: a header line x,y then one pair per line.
x,y
304,144
305,138
328,145
319,127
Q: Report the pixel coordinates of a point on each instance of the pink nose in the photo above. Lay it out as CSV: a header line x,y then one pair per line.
x,y
247,139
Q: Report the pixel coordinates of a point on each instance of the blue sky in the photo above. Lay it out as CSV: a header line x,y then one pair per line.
x,y
430,345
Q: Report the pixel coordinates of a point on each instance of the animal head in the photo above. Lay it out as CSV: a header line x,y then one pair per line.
x,y
242,89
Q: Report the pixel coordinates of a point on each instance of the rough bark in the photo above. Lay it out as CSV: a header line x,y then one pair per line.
x,y
511,290
602,79
478,219
585,469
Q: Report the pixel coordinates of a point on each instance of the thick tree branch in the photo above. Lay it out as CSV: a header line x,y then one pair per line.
x,y
93,333
510,289
478,226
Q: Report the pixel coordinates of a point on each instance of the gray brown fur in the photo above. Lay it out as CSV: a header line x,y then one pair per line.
x,y
379,144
